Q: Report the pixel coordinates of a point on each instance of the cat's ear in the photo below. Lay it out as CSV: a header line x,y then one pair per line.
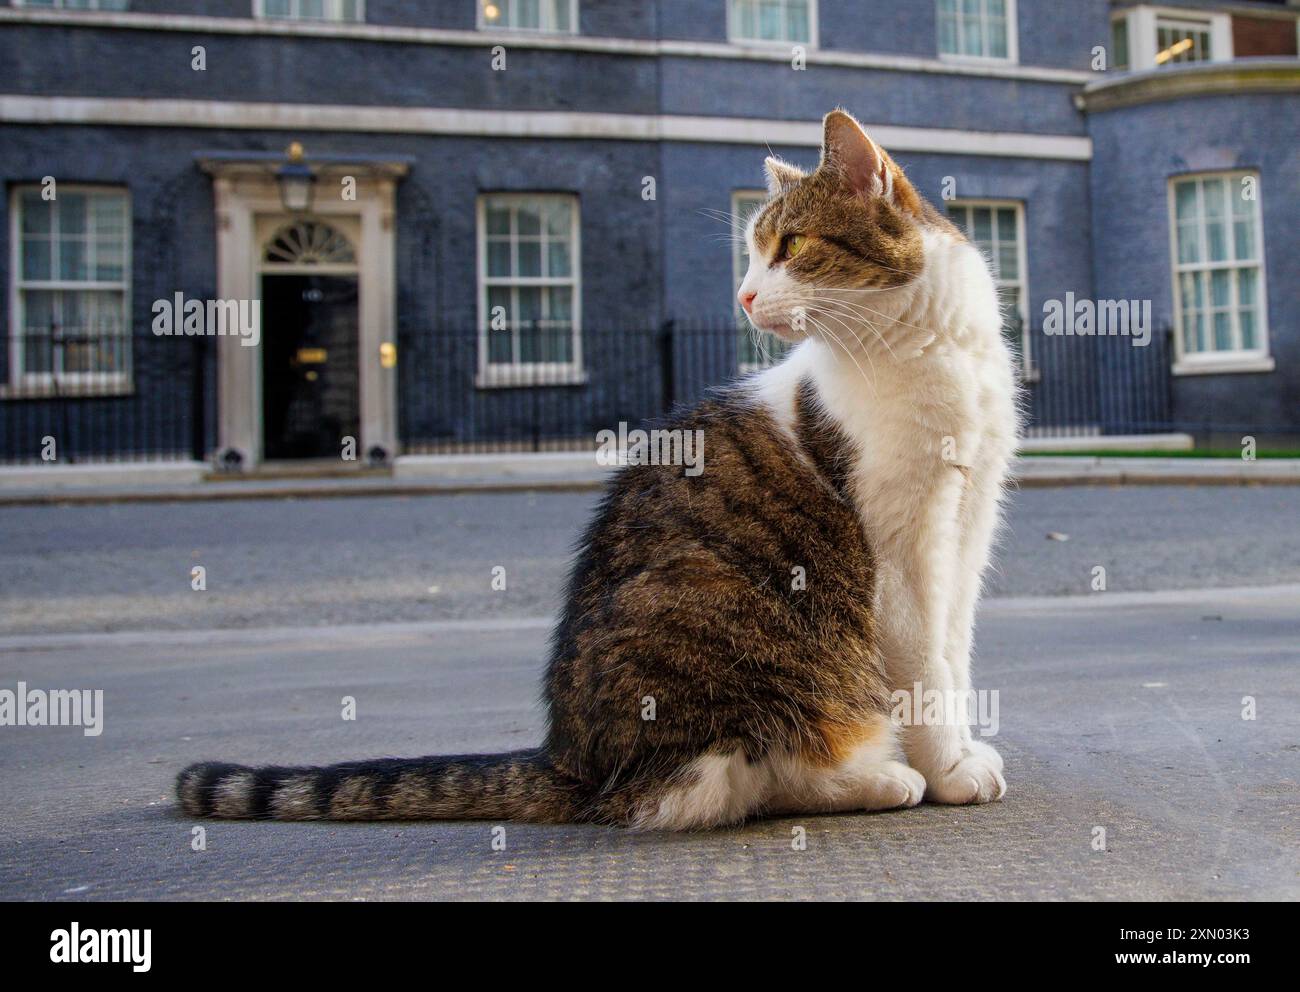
x,y
864,165
781,176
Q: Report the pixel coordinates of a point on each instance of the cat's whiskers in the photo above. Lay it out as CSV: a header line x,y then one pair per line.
x,y
826,335
885,316
849,312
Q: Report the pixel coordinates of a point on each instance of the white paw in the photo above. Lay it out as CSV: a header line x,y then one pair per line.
x,y
975,778
893,785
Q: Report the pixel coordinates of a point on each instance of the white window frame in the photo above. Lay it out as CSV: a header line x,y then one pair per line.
x,y
1027,368
22,383
739,266
1145,19
546,18
1240,359
62,5
333,14
1013,39
736,38
500,374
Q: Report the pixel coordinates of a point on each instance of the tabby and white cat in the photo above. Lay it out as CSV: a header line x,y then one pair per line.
x,y
830,553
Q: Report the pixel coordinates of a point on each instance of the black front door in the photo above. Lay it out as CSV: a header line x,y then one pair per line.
x,y
310,382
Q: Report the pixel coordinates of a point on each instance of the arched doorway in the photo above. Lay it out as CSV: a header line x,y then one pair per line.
x,y
310,373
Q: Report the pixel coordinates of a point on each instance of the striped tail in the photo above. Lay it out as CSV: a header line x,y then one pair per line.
x,y
520,785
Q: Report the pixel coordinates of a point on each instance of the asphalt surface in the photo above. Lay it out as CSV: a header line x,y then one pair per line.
x,y
1118,711
382,559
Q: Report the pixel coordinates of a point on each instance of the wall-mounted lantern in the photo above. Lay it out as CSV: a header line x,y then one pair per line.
x,y
297,181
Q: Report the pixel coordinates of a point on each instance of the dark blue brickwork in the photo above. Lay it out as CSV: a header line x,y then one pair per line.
x,y
1098,229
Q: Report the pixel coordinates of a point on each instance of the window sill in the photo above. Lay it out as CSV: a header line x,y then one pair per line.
x,y
1224,364
65,390
978,59
770,45
523,377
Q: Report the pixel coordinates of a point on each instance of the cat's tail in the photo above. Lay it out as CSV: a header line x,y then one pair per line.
x,y
520,785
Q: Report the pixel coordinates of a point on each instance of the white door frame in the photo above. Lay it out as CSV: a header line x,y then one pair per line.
x,y
247,190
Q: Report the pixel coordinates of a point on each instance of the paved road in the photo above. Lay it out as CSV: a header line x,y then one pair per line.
x,y
1121,711
371,560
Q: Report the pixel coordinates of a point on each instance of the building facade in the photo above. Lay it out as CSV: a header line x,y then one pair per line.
x,y
466,223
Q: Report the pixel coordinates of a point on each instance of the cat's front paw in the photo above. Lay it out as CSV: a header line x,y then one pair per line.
x,y
975,778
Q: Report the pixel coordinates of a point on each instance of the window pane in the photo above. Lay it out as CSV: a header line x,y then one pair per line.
x,y
528,220
498,257
983,224
1243,241
1222,332
558,220
558,261
109,260
498,220
72,213
948,34
108,215
1008,263
1119,41
1185,201
528,14
1216,244
797,21
530,258
72,260
36,214
530,305
1189,243
1247,321
997,38
1246,280
36,258
1220,288
499,340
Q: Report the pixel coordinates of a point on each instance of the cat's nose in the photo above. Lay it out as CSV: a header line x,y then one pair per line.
x,y
746,298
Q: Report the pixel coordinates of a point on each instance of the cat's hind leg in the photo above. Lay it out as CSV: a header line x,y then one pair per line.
x,y
864,771
867,773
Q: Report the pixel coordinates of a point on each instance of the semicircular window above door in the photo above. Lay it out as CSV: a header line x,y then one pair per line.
x,y
309,242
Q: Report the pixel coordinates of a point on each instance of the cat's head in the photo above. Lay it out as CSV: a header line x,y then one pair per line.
x,y
834,239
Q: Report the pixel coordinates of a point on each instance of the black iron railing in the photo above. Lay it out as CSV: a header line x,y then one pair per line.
x,y
533,388
68,397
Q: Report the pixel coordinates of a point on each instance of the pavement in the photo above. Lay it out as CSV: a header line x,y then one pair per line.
x,y
127,566
1121,712
418,475
1120,709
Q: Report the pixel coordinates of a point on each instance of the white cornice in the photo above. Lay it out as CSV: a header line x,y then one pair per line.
x,y
1192,79
308,117
400,34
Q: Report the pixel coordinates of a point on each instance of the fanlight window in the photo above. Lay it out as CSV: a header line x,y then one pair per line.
x,y
308,242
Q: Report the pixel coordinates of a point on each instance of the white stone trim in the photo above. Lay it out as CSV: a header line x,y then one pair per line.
x,y
521,124
242,196
199,24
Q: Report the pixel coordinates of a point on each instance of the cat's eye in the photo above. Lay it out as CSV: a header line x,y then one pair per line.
x,y
794,244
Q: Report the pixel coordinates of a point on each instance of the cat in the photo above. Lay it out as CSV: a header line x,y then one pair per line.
x,y
731,642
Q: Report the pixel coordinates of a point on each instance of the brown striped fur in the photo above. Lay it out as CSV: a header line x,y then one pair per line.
x,y
684,592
